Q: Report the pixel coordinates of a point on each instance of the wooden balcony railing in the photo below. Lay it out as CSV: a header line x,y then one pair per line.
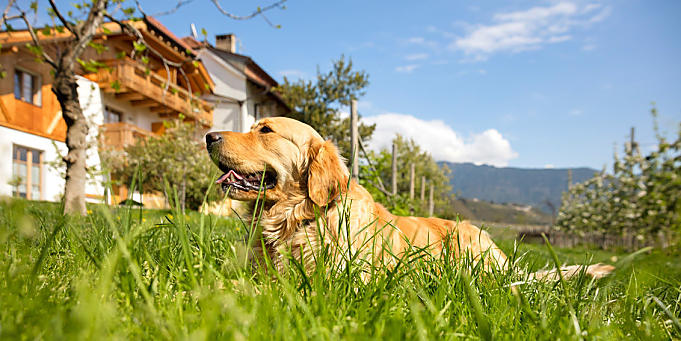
x,y
130,76
118,135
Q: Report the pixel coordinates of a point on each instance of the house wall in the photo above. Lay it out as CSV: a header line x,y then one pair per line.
x,y
230,83
229,93
42,118
53,181
139,116
227,116
53,176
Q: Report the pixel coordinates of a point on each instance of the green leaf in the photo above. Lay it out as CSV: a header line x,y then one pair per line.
x,y
98,47
116,85
195,63
139,47
204,32
121,55
145,59
34,6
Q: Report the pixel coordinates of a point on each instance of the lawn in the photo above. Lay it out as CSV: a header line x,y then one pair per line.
x,y
126,273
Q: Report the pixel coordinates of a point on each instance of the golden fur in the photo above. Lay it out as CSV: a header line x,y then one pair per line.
x,y
312,190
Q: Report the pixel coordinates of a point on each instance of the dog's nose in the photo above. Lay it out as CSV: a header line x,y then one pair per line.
x,y
212,138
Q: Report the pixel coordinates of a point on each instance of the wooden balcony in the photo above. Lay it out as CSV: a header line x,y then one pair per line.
x,y
120,134
135,83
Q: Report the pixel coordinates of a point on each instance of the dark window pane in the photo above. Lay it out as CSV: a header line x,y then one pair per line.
x,y
17,84
22,153
36,156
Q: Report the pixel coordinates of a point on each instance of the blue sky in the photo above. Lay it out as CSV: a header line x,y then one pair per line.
x,y
517,83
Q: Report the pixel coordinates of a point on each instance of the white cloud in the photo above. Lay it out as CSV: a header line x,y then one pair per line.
x,y
528,29
416,56
441,141
407,68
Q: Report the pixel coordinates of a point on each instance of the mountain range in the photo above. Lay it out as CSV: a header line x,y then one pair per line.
x,y
526,186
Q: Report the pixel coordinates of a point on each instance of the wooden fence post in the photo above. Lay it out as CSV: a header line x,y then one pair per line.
x,y
412,175
431,204
394,170
354,136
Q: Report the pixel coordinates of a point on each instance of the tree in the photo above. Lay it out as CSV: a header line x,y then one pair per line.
x,y
176,158
318,103
641,197
82,23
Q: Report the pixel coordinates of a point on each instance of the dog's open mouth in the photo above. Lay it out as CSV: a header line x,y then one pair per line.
x,y
246,182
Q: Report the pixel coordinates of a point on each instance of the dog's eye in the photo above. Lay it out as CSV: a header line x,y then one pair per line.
x,y
266,129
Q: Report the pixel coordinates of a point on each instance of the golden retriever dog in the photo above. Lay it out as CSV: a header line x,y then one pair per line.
x,y
307,201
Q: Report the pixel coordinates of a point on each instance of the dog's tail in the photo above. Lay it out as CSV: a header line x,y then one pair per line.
x,y
596,271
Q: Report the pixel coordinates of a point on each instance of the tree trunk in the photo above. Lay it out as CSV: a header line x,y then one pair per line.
x,y
66,89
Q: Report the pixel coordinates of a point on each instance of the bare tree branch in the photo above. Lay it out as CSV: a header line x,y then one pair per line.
x,y
179,4
63,20
34,37
5,13
257,12
86,31
125,26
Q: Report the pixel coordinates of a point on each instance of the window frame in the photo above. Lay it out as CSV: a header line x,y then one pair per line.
x,y
28,185
36,87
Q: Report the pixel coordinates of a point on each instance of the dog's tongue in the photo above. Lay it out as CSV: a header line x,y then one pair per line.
x,y
227,175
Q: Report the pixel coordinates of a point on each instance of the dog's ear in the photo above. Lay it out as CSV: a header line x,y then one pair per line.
x,y
327,175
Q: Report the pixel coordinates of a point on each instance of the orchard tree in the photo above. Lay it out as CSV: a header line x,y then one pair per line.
x,y
319,102
82,22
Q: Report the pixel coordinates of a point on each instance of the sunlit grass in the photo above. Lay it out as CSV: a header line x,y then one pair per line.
x,y
131,273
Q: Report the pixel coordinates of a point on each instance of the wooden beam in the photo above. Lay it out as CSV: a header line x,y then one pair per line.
x,y
130,96
144,103
162,109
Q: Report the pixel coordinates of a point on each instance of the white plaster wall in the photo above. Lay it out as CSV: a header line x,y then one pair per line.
x,y
229,82
248,114
53,180
90,98
139,116
227,116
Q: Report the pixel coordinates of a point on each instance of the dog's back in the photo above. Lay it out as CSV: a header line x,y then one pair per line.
x,y
401,234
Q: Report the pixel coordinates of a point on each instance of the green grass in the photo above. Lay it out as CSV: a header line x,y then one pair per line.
x,y
126,273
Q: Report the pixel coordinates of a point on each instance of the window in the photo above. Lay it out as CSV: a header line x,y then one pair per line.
x,y
27,87
111,115
28,170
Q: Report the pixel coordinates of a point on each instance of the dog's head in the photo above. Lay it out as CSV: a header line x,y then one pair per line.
x,y
280,155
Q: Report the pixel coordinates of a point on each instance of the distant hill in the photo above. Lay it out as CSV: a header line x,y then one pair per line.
x,y
525,186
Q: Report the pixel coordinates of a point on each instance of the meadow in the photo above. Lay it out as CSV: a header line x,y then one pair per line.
x,y
122,273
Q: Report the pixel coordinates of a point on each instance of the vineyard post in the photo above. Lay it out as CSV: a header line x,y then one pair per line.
x,y
431,204
354,135
394,170
412,175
